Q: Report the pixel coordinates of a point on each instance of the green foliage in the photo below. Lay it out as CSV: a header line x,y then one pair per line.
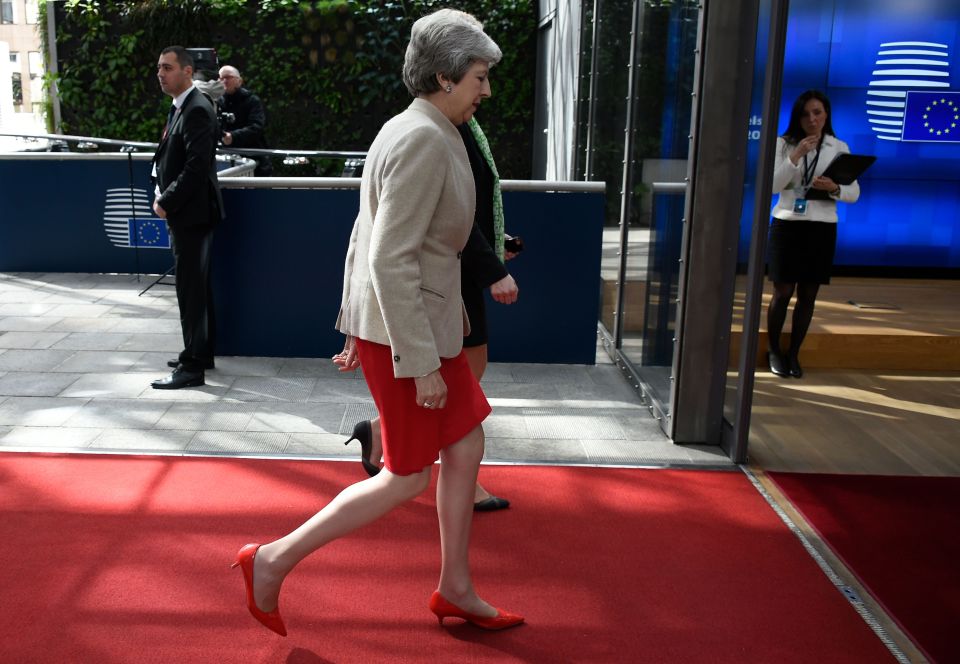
x,y
327,71
663,77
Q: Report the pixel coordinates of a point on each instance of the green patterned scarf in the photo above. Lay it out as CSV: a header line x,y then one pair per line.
x,y
497,198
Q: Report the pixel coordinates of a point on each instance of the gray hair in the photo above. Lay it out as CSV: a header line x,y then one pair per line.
x,y
445,42
233,70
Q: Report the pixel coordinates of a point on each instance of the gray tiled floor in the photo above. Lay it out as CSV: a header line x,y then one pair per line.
x,y
78,352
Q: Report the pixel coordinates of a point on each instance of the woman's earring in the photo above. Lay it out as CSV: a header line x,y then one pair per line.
x,y
449,88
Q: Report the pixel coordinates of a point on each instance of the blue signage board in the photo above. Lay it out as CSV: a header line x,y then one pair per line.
x,y
892,72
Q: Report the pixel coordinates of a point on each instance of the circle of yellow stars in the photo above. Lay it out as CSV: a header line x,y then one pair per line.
x,y
154,237
950,107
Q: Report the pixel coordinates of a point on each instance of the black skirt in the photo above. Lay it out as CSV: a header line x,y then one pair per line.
x,y
476,308
801,252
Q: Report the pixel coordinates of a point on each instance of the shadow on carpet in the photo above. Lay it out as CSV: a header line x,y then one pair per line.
x,y
117,559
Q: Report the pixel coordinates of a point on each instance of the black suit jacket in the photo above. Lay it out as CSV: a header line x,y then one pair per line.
x,y
186,165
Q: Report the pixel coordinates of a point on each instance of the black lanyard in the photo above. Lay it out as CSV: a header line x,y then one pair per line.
x,y
808,171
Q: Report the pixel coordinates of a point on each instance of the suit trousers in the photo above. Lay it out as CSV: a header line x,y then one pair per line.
x,y
192,247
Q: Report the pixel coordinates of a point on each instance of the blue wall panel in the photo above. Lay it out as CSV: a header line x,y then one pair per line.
x,y
278,258
278,271
53,212
279,275
555,318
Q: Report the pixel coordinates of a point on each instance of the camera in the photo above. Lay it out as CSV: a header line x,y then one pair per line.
x,y
225,119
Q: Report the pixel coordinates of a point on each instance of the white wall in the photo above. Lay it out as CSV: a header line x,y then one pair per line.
x,y
22,38
12,122
6,85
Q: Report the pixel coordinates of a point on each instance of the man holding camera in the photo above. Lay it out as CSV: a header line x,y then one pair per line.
x,y
188,198
242,117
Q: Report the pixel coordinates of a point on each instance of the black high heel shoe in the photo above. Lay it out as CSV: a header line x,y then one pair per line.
x,y
363,432
793,362
777,365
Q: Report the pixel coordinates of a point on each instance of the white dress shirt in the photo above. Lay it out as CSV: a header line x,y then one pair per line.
x,y
788,177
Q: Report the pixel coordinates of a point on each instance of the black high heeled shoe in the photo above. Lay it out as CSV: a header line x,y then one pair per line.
x,y
363,432
793,362
491,504
777,364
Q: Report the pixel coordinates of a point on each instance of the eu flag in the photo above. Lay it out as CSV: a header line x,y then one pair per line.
x,y
932,117
149,233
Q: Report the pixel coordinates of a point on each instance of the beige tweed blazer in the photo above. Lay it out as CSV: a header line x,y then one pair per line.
x,y
401,283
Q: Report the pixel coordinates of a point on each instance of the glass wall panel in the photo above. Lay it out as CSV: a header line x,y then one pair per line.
x,y
644,227
661,126
611,21
581,165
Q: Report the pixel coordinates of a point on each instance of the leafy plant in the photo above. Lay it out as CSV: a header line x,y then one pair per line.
x,y
327,71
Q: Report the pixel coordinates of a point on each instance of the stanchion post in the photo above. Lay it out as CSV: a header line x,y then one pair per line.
x,y
130,149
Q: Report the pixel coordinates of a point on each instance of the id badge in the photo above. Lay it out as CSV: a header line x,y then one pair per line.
x,y
800,206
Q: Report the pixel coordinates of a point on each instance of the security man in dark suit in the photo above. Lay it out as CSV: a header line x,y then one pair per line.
x,y
188,198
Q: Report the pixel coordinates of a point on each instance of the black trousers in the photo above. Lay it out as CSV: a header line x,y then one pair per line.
x,y
191,259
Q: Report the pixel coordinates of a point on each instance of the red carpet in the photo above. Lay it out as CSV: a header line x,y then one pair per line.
x,y
125,559
901,537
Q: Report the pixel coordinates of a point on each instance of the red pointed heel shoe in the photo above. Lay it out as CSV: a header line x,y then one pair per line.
x,y
442,608
269,619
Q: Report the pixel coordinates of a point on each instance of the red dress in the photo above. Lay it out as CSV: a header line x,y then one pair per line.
x,y
413,435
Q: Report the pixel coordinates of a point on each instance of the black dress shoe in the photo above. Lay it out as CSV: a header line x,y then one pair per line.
x,y
363,432
176,363
776,364
179,378
491,504
795,369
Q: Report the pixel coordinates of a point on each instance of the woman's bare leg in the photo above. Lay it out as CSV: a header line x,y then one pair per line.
x,y
458,477
376,446
477,359
355,506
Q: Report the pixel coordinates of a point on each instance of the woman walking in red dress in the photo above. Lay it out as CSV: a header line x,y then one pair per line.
x,y
402,315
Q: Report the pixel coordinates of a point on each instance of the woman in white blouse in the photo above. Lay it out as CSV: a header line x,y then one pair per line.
x,y
803,235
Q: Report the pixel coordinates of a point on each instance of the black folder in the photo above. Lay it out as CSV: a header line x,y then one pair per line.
x,y
844,169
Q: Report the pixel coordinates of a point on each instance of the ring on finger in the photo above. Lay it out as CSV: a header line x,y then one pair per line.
x,y
428,404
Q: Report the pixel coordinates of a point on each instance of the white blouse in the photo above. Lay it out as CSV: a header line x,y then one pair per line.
x,y
787,177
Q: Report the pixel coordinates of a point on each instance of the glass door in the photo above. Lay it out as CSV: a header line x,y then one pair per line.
x,y
638,142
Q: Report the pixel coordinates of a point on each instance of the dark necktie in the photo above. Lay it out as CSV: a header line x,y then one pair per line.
x,y
166,127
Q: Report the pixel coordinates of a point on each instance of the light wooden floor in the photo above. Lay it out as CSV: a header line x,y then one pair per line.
x,y
884,423
920,329
892,420
921,306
